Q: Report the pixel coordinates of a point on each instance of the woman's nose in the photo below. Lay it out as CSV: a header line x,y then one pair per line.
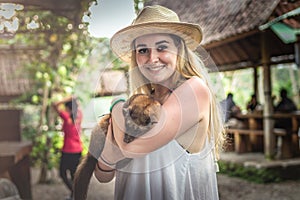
x,y
153,56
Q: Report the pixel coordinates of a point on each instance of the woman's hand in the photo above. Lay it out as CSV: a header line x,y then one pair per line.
x,y
111,153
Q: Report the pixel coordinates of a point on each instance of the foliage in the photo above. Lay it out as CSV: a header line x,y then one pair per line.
x,y
282,79
240,83
102,57
253,174
41,146
138,5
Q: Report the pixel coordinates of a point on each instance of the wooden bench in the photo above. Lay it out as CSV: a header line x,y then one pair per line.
x,y
289,144
15,162
241,138
242,143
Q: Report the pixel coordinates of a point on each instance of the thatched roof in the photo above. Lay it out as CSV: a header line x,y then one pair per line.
x,y
231,28
13,81
222,19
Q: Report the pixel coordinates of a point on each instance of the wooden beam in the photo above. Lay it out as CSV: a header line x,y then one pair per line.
x,y
237,66
223,55
231,52
249,64
241,50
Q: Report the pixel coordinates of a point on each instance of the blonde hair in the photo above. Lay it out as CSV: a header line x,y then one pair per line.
x,y
188,65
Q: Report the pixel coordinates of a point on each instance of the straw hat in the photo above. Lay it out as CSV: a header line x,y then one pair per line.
x,y
154,19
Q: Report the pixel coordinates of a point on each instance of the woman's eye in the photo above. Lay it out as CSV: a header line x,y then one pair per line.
x,y
143,51
161,48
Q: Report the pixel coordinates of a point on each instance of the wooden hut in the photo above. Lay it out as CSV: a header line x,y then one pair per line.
x,y
241,34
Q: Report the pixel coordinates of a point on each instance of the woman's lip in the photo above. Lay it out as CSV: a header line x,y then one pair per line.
x,y
155,68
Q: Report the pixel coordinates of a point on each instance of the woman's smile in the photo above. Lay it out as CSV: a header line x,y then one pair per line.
x,y
154,68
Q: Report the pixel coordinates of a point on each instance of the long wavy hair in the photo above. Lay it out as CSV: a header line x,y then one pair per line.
x,y
188,65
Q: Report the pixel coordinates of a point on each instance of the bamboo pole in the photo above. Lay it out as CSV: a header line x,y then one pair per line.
x,y
269,138
297,61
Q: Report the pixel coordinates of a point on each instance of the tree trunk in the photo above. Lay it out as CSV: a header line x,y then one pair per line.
x,y
44,164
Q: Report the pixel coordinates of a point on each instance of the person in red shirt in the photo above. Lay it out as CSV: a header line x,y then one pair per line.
x,y
71,115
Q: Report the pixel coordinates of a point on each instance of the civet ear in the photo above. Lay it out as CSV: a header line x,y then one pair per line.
x,y
126,111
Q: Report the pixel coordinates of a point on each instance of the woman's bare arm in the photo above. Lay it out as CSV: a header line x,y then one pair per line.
x,y
186,106
103,173
58,103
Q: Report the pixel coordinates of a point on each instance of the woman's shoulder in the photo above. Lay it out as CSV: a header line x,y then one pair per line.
x,y
197,80
198,85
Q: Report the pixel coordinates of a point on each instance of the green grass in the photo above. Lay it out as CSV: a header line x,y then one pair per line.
x,y
253,174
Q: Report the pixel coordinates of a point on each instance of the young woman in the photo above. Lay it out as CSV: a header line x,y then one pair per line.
x,y
72,147
177,158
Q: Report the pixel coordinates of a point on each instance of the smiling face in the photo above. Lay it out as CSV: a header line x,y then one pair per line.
x,y
156,57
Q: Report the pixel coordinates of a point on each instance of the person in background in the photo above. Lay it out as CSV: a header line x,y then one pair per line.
x,y
285,104
177,158
229,107
69,111
252,104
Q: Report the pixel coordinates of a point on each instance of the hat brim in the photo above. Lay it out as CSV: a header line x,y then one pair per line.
x,y
121,41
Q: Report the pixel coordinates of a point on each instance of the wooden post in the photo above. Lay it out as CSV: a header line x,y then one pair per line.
x,y
297,61
268,123
297,51
255,82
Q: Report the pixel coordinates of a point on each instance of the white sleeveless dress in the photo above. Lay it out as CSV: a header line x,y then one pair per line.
x,y
169,173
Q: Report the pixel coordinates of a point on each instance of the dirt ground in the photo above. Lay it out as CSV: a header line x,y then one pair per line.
x,y
229,189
